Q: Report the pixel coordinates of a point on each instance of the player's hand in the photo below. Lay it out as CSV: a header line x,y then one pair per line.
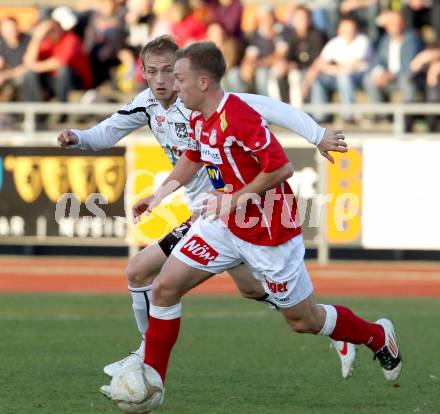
x,y
333,140
144,207
67,138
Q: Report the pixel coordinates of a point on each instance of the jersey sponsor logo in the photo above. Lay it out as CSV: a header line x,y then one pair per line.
x,y
215,176
198,250
213,137
198,130
181,131
210,155
276,287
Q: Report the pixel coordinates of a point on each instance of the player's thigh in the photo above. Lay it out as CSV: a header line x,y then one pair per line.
x,y
281,270
205,250
246,283
145,265
175,279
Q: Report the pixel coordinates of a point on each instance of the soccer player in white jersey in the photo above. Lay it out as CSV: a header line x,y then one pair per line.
x,y
159,107
255,221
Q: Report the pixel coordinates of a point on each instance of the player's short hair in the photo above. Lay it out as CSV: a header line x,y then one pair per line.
x,y
158,46
204,57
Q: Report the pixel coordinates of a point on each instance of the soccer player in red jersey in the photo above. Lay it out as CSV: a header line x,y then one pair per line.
x,y
251,217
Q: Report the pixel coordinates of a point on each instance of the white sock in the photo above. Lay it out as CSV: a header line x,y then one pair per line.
x,y
166,312
330,320
141,307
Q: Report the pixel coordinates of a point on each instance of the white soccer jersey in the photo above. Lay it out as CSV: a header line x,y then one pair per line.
x,y
170,127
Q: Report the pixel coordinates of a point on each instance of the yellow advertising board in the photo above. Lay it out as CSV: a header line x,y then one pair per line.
x,y
148,166
344,188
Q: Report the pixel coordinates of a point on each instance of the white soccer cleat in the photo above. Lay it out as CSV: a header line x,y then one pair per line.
x,y
106,391
134,357
135,388
389,355
347,355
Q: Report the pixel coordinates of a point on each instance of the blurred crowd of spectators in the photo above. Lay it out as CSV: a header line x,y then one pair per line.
x,y
302,52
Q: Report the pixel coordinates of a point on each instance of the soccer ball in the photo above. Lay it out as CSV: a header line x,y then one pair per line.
x,y
137,388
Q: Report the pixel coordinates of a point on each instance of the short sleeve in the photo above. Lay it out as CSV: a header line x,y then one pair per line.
x,y
254,135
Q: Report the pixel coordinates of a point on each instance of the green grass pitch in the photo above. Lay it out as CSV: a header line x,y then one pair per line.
x,y
233,357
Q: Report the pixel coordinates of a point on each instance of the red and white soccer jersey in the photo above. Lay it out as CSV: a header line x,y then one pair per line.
x,y
235,144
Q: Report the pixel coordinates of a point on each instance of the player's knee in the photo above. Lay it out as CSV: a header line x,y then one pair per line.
x,y
137,275
303,325
300,326
250,293
165,292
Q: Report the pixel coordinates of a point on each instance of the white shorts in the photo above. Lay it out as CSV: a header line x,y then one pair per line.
x,y
281,270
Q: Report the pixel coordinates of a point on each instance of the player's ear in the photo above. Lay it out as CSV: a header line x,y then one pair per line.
x,y
204,83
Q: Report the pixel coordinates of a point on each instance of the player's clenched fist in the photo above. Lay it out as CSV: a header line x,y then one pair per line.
x,y
67,138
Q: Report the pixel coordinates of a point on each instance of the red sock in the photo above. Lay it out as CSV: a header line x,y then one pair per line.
x,y
159,341
351,328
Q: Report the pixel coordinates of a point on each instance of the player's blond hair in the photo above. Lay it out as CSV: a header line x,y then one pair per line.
x,y
158,46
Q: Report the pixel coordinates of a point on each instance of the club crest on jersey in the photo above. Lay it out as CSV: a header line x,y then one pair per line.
x,y
215,176
198,130
198,250
213,137
160,119
181,131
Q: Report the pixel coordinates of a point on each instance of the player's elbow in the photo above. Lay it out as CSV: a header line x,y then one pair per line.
x,y
286,171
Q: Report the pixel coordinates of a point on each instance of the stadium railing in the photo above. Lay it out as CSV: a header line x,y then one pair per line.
x,y
397,111
30,136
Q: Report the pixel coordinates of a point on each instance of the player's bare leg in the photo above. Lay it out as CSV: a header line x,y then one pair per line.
x,y
250,287
142,268
175,279
341,324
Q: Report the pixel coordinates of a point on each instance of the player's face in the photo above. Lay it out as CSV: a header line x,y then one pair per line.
x,y
186,84
159,74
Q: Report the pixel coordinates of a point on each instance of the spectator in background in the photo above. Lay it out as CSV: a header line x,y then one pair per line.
x,y
228,13
104,36
390,68
427,63
417,14
125,73
56,61
266,45
340,67
13,45
364,12
139,22
185,26
232,51
435,18
304,44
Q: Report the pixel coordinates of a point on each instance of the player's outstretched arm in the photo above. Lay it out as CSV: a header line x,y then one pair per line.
x,y
183,172
299,122
107,133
